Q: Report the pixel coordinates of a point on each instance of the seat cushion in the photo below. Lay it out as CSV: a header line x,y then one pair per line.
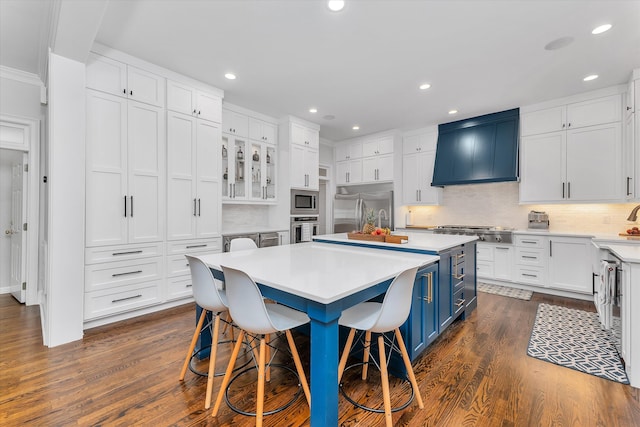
x,y
362,316
284,317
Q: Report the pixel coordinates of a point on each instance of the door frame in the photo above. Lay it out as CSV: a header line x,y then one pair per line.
x,y
23,134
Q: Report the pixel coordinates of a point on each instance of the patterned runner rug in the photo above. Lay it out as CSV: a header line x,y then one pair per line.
x,y
505,291
574,339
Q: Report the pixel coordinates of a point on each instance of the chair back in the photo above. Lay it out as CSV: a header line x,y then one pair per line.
x,y
205,289
246,304
397,302
242,243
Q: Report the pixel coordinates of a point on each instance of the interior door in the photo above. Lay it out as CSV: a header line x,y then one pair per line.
x,y
18,236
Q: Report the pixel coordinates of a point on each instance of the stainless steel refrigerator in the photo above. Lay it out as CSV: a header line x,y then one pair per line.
x,y
350,210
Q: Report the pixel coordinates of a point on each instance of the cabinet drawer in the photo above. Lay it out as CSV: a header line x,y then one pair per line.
x,y
533,257
484,269
177,265
532,275
179,287
112,301
114,274
192,246
484,252
458,301
122,253
530,241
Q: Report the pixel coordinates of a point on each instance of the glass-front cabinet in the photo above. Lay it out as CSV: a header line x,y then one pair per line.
x,y
249,170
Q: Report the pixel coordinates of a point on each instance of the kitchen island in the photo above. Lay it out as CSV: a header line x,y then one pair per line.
x,y
442,293
322,280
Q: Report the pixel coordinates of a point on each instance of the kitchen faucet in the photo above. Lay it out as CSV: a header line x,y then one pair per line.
x,y
634,214
383,212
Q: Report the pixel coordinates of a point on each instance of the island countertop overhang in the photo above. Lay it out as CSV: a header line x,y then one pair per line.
x,y
417,242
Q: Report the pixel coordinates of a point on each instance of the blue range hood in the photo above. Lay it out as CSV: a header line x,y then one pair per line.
x,y
477,150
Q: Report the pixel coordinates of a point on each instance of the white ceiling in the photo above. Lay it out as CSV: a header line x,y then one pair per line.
x,y
363,65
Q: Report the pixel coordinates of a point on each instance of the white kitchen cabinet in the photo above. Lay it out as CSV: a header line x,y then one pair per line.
x,y
378,168
417,173
283,238
117,78
260,130
234,155
304,167
194,183
179,284
349,172
631,136
125,167
348,151
421,142
571,116
185,99
494,261
305,136
377,146
235,123
570,264
263,171
580,165
530,259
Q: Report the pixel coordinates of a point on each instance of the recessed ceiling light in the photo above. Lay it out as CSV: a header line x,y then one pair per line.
x,y
356,127
453,111
590,77
601,29
230,76
425,86
559,43
313,110
335,5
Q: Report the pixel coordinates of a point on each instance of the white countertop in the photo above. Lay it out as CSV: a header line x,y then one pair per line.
x,y
251,230
320,272
417,241
626,253
552,233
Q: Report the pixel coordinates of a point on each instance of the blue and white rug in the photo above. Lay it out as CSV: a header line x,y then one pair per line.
x,y
505,291
574,339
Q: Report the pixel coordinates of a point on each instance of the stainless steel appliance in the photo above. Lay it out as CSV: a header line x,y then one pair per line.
x,y
303,228
607,296
226,240
489,234
269,239
304,202
538,220
350,210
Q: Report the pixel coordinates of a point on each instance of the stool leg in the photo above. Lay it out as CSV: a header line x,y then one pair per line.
x,y
345,353
227,374
384,376
298,363
268,357
367,349
196,334
261,374
407,364
212,361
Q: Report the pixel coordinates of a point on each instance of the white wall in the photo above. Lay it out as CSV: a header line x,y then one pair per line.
x,y
7,159
64,296
496,204
20,98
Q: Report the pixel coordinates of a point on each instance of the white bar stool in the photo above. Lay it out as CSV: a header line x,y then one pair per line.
x,y
375,317
253,316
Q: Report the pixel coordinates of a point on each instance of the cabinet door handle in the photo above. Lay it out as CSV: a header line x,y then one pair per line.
x,y
131,92
550,248
420,195
126,273
194,207
127,298
563,125
124,91
628,179
568,190
199,206
563,190
131,206
125,206
417,196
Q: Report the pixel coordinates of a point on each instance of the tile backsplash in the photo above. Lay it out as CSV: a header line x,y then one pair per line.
x,y
236,217
496,204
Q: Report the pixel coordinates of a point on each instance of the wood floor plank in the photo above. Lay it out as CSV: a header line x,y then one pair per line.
x,y
476,374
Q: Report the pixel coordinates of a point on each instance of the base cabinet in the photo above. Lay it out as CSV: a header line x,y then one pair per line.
x,y
569,264
422,324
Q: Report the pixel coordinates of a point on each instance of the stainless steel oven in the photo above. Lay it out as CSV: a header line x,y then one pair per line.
x,y
304,202
303,228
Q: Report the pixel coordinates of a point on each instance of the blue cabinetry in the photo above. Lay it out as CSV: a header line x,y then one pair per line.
x,y
421,327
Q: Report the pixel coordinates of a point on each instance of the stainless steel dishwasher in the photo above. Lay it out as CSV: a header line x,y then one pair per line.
x,y
268,239
226,240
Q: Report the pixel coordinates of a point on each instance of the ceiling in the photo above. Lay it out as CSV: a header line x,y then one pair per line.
x,y
362,65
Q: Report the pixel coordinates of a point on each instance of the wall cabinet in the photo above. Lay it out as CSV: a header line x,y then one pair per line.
x,y
377,146
348,151
117,78
418,159
125,171
349,172
304,160
569,264
193,177
378,168
262,131
250,170
631,136
185,99
561,166
234,123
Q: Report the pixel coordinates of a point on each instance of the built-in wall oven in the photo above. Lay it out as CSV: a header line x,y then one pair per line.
x,y
303,228
304,202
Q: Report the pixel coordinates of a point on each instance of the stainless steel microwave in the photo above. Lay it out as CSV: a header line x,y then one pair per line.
x,y
304,202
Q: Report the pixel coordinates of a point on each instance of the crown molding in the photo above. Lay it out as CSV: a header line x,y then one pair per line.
x,y
20,76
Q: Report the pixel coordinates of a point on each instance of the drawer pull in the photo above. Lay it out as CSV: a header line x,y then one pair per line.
x,y
458,277
529,275
529,257
124,274
460,303
532,242
126,253
127,298
188,286
196,246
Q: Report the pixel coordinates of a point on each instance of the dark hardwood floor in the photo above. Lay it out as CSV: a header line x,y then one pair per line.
x,y
124,374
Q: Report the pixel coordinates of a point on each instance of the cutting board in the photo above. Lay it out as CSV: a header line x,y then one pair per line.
x,y
629,235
